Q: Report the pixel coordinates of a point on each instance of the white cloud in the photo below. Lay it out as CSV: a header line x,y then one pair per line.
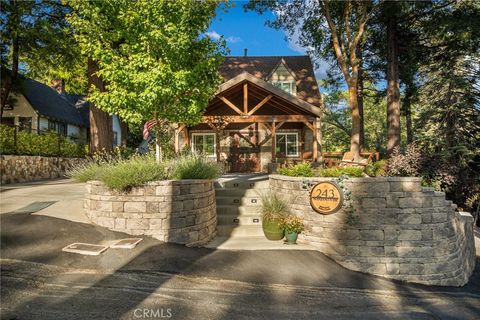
x,y
213,35
233,39
216,36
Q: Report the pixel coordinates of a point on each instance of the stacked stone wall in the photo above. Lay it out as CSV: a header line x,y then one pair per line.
x,y
404,231
172,211
32,168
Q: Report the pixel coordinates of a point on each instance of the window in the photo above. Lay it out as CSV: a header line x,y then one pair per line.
x,y
204,143
25,123
285,86
58,127
287,144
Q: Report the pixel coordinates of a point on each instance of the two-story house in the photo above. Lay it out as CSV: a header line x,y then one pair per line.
x,y
268,109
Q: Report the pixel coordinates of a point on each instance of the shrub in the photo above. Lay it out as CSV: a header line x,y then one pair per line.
x,y
86,172
138,170
299,170
192,166
273,207
338,172
292,223
377,169
48,144
405,165
120,174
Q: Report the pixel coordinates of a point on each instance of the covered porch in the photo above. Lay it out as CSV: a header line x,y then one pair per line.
x,y
251,123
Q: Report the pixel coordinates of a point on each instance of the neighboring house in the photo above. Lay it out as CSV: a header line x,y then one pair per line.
x,y
36,107
263,102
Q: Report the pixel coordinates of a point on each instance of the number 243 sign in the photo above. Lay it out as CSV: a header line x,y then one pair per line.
x,y
326,197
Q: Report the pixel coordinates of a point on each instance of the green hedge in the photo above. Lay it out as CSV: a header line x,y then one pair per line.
x,y
48,144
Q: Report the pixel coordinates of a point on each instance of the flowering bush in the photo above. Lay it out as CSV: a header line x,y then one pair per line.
x,y
292,223
407,164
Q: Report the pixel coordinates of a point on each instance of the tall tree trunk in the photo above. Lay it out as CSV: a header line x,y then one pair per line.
x,y
101,130
10,80
123,133
360,97
407,107
356,122
393,88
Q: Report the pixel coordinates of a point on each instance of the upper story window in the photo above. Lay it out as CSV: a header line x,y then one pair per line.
x,y
288,86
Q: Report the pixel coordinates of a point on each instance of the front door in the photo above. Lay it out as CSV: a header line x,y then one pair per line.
x,y
244,152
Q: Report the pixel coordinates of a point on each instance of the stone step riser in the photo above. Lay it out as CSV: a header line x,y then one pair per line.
x,y
238,210
232,192
239,201
232,220
242,185
240,231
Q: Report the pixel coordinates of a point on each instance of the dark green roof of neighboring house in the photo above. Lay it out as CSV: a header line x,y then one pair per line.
x,y
47,102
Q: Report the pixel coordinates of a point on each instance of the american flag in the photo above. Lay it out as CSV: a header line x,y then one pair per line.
x,y
147,126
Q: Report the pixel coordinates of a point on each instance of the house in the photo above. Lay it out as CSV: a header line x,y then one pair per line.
x,y
263,102
36,107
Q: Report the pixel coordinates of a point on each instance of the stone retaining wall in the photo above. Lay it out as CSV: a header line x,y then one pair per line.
x,y
32,168
172,211
404,232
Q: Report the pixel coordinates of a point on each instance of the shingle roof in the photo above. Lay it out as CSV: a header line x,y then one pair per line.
x,y
47,102
262,67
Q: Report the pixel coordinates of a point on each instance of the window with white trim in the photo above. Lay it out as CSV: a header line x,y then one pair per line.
x,y
204,143
287,144
287,86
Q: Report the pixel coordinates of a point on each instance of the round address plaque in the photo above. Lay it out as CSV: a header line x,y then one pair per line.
x,y
326,197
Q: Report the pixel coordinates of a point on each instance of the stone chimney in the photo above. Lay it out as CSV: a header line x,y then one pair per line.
x,y
245,52
58,85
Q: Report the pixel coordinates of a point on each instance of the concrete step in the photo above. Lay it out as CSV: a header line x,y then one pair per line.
x,y
238,210
253,243
233,219
237,192
242,184
239,201
237,230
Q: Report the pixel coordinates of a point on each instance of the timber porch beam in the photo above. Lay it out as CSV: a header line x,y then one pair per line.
x,y
245,98
260,104
231,105
266,119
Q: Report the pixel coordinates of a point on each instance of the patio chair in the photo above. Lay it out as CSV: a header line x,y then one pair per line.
x,y
348,160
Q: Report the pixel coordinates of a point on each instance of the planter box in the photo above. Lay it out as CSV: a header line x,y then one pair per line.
x,y
181,212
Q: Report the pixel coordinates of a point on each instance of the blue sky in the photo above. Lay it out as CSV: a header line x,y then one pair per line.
x,y
248,30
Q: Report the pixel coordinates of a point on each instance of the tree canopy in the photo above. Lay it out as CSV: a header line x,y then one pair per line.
x,y
152,56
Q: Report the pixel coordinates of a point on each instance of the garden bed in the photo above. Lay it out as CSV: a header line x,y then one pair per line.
x,y
397,229
182,211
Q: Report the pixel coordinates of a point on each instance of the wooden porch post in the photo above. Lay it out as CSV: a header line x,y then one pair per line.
x,y
217,144
315,142
187,137
302,143
274,142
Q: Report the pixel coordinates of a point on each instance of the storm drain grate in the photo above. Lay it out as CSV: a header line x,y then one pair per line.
x,y
35,207
85,248
128,243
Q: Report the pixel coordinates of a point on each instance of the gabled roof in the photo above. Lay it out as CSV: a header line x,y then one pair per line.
x,y
46,101
245,76
262,67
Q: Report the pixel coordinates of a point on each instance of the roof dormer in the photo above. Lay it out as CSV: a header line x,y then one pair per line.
x,y
283,77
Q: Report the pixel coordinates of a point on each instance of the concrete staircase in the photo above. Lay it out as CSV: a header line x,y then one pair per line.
x,y
239,199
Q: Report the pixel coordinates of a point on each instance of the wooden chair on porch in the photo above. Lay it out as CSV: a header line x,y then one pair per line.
x,y
348,160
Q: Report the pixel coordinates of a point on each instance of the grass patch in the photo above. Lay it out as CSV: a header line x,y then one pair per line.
x,y
193,166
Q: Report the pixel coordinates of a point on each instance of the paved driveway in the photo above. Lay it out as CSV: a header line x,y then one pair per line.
x,y
41,282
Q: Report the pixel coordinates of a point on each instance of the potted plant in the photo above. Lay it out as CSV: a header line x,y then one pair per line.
x,y
292,225
273,211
